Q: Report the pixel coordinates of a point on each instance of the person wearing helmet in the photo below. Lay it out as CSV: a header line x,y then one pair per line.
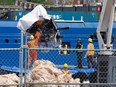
x,y
90,53
79,52
65,71
31,37
33,43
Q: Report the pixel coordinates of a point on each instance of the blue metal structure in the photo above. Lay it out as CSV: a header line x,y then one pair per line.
x,y
10,38
66,15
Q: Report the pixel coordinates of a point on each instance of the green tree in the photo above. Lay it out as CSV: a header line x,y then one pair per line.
x,y
71,2
45,2
37,1
7,2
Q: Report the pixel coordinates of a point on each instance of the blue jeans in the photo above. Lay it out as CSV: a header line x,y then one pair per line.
x,y
91,63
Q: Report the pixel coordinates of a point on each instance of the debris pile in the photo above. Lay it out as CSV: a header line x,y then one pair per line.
x,y
46,71
8,79
43,71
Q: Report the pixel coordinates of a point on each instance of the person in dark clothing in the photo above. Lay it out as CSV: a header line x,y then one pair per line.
x,y
79,52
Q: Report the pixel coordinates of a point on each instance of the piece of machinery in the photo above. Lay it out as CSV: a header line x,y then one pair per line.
x,y
39,20
105,59
104,30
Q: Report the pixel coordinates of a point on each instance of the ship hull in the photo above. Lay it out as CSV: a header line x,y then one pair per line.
x,y
10,37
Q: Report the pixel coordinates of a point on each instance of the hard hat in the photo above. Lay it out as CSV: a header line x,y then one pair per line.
x,y
31,37
65,65
90,40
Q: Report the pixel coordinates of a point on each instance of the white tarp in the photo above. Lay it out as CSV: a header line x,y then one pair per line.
x,y
27,20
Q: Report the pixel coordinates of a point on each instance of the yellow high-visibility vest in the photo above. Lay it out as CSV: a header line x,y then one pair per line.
x,y
91,49
64,51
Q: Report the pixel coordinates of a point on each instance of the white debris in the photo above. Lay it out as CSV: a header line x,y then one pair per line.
x,y
46,71
8,79
42,71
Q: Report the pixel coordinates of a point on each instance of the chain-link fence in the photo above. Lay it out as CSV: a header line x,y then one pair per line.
x,y
49,71
9,67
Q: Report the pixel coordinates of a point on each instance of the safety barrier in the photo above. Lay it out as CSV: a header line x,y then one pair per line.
x,y
9,67
47,70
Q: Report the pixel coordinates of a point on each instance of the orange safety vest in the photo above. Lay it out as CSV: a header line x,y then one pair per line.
x,y
91,49
33,43
65,72
37,34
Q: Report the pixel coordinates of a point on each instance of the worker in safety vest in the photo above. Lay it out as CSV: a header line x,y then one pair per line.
x,y
90,53
65,71
79,52
33,43
64,49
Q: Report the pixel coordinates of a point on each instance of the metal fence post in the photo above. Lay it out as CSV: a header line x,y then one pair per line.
x,y
25,60
21,62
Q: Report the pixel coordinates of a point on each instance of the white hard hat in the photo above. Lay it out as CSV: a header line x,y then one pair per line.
x,y
31,37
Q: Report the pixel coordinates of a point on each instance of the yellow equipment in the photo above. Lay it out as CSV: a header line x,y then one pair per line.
x,y
90,40
65,65
31,37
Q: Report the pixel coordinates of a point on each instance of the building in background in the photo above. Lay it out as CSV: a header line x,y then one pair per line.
x,y
23,4
26,5
76,2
